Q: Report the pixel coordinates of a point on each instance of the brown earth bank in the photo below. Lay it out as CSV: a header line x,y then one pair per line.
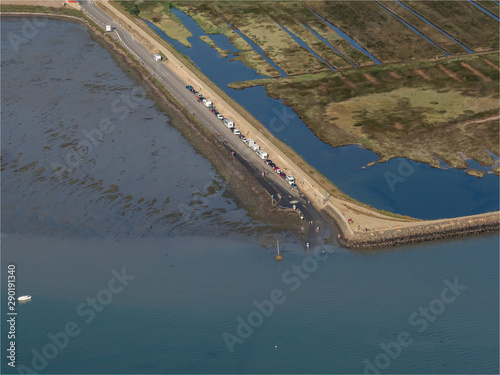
x,y
245,189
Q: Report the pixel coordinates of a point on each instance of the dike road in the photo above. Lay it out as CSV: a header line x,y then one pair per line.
x,y
280,191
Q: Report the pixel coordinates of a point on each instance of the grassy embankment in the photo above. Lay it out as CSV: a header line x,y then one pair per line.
x,y
377,30
491,6
469,25
160,14
276,43
222,52
421,111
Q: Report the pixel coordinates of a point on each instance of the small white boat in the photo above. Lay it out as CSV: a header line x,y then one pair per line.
x,y
24,298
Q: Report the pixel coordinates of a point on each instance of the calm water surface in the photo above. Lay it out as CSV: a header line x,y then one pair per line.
x,y
196,262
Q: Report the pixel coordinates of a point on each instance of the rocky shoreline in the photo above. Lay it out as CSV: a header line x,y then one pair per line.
x,y
425,231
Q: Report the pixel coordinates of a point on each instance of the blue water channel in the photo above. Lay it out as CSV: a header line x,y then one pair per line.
x,y
351,41
324,40
412,28
399,185
484,10
437,28
301,43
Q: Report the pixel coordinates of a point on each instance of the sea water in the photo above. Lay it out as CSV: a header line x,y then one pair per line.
x,y
184,281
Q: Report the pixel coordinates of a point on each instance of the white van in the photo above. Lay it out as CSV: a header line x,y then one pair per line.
x,y
157,57
207,103
290,179
108,28
249,142
262,154
255,147
229,123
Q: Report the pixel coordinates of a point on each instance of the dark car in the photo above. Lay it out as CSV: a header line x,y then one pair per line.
x,y
189,87
268,161
194,92
216,113
272,165
283,175
294,186
241,136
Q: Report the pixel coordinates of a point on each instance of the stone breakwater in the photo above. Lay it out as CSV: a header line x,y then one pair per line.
x,y
413,233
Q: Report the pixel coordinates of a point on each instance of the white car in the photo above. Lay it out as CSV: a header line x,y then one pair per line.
x,y
236,131
255,147
220,117
290,179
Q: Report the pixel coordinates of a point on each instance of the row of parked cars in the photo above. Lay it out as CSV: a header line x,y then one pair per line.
x,y
288,178
249,142
207,103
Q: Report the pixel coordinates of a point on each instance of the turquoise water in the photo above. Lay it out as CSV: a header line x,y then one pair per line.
x,y
195,261
171,317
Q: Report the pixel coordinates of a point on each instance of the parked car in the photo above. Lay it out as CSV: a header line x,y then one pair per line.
x,y
220,117
236,131
268,161
294,186
276,168
272,165
189,87
242,136
290,179
255,147
262,154
249,142
243,139
283,174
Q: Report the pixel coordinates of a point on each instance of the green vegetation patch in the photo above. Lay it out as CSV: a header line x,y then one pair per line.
x,y
378,31
212,22
252,21
284,17
462,20
429,31
491,6
254,60
222,52
159,13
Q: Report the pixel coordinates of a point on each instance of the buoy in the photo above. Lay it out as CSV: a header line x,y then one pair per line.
x,y
278,257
